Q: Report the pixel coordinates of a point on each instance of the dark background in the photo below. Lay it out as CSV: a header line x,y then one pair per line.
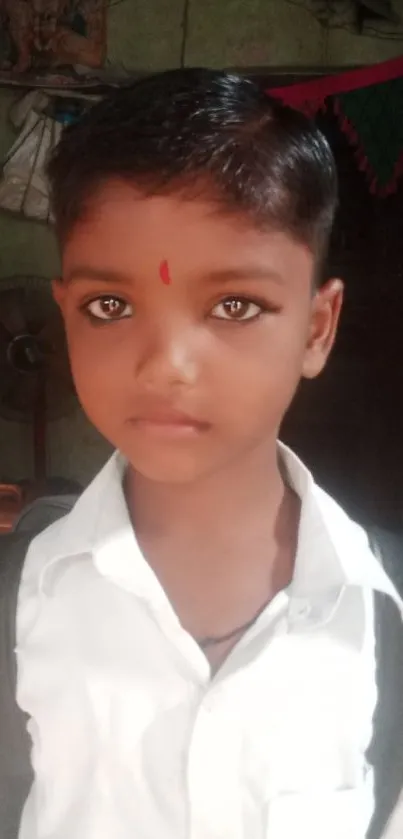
x,y
348,424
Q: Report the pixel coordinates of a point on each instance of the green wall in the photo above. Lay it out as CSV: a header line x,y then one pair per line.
x,y
148,35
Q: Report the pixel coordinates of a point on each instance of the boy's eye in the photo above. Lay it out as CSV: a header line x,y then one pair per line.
x,y
108,307
237,309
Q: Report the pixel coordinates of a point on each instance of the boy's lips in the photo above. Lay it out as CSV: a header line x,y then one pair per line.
x,y
167,422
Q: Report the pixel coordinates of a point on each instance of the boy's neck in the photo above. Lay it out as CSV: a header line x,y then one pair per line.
x,y
232,497
221,548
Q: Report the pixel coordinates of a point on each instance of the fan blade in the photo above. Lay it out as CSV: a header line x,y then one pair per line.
x,y
11,396
52,336
59,371
39,309
5,338
12,312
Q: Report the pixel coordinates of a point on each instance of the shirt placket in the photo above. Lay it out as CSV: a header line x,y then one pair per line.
x,y
213,770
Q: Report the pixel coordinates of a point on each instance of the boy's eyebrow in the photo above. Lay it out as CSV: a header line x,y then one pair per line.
x,y
87,272
252,272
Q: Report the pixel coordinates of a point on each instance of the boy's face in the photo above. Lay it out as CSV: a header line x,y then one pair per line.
x,y
188,330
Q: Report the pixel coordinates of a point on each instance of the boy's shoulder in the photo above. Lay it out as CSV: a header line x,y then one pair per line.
x,y
43,548
73,531
318,507
325,527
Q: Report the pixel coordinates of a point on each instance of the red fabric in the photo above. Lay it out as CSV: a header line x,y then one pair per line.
x,y
310,96
342,90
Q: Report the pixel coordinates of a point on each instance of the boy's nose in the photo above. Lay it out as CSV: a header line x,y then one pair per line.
x,y
169,359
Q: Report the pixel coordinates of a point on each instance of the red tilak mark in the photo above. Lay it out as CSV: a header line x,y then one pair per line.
x,y
164,272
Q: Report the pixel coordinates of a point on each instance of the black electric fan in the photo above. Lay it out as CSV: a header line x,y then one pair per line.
x,y
35,381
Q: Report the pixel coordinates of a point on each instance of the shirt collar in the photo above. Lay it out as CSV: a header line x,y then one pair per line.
x,y
99,519
332,553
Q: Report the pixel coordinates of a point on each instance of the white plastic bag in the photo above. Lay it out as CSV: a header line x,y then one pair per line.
x,y
23,185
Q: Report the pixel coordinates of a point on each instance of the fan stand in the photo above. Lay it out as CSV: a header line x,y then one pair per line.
x,y
39,433
25,355
12,498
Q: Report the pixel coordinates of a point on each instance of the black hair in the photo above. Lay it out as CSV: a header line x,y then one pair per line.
x,y
204,132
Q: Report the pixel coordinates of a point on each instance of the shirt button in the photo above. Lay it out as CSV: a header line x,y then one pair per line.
x,y
299,610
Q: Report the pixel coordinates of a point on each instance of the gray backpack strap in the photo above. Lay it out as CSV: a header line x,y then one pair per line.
x,y
387,546
15,765
385,753
16,773
42,512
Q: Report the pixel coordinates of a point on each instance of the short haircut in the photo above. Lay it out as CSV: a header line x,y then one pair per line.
x,y
207,133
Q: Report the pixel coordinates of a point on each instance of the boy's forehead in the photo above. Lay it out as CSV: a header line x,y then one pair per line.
x,y
124,229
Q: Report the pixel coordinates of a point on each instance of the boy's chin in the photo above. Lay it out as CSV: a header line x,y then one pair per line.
x,y
171,467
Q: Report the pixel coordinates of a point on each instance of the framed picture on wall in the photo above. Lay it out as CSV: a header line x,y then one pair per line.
x,y
44,37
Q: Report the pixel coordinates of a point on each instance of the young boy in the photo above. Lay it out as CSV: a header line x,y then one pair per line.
x,y
196,643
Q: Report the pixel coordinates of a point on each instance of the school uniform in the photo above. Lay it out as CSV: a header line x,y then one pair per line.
x,y
132,736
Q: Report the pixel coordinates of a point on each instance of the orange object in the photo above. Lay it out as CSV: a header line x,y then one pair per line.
x,y
11,503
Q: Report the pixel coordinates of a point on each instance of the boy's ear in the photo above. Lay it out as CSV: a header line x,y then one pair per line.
x,y
326,308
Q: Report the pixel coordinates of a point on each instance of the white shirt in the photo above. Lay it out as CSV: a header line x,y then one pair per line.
x,y
394,829
133,739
